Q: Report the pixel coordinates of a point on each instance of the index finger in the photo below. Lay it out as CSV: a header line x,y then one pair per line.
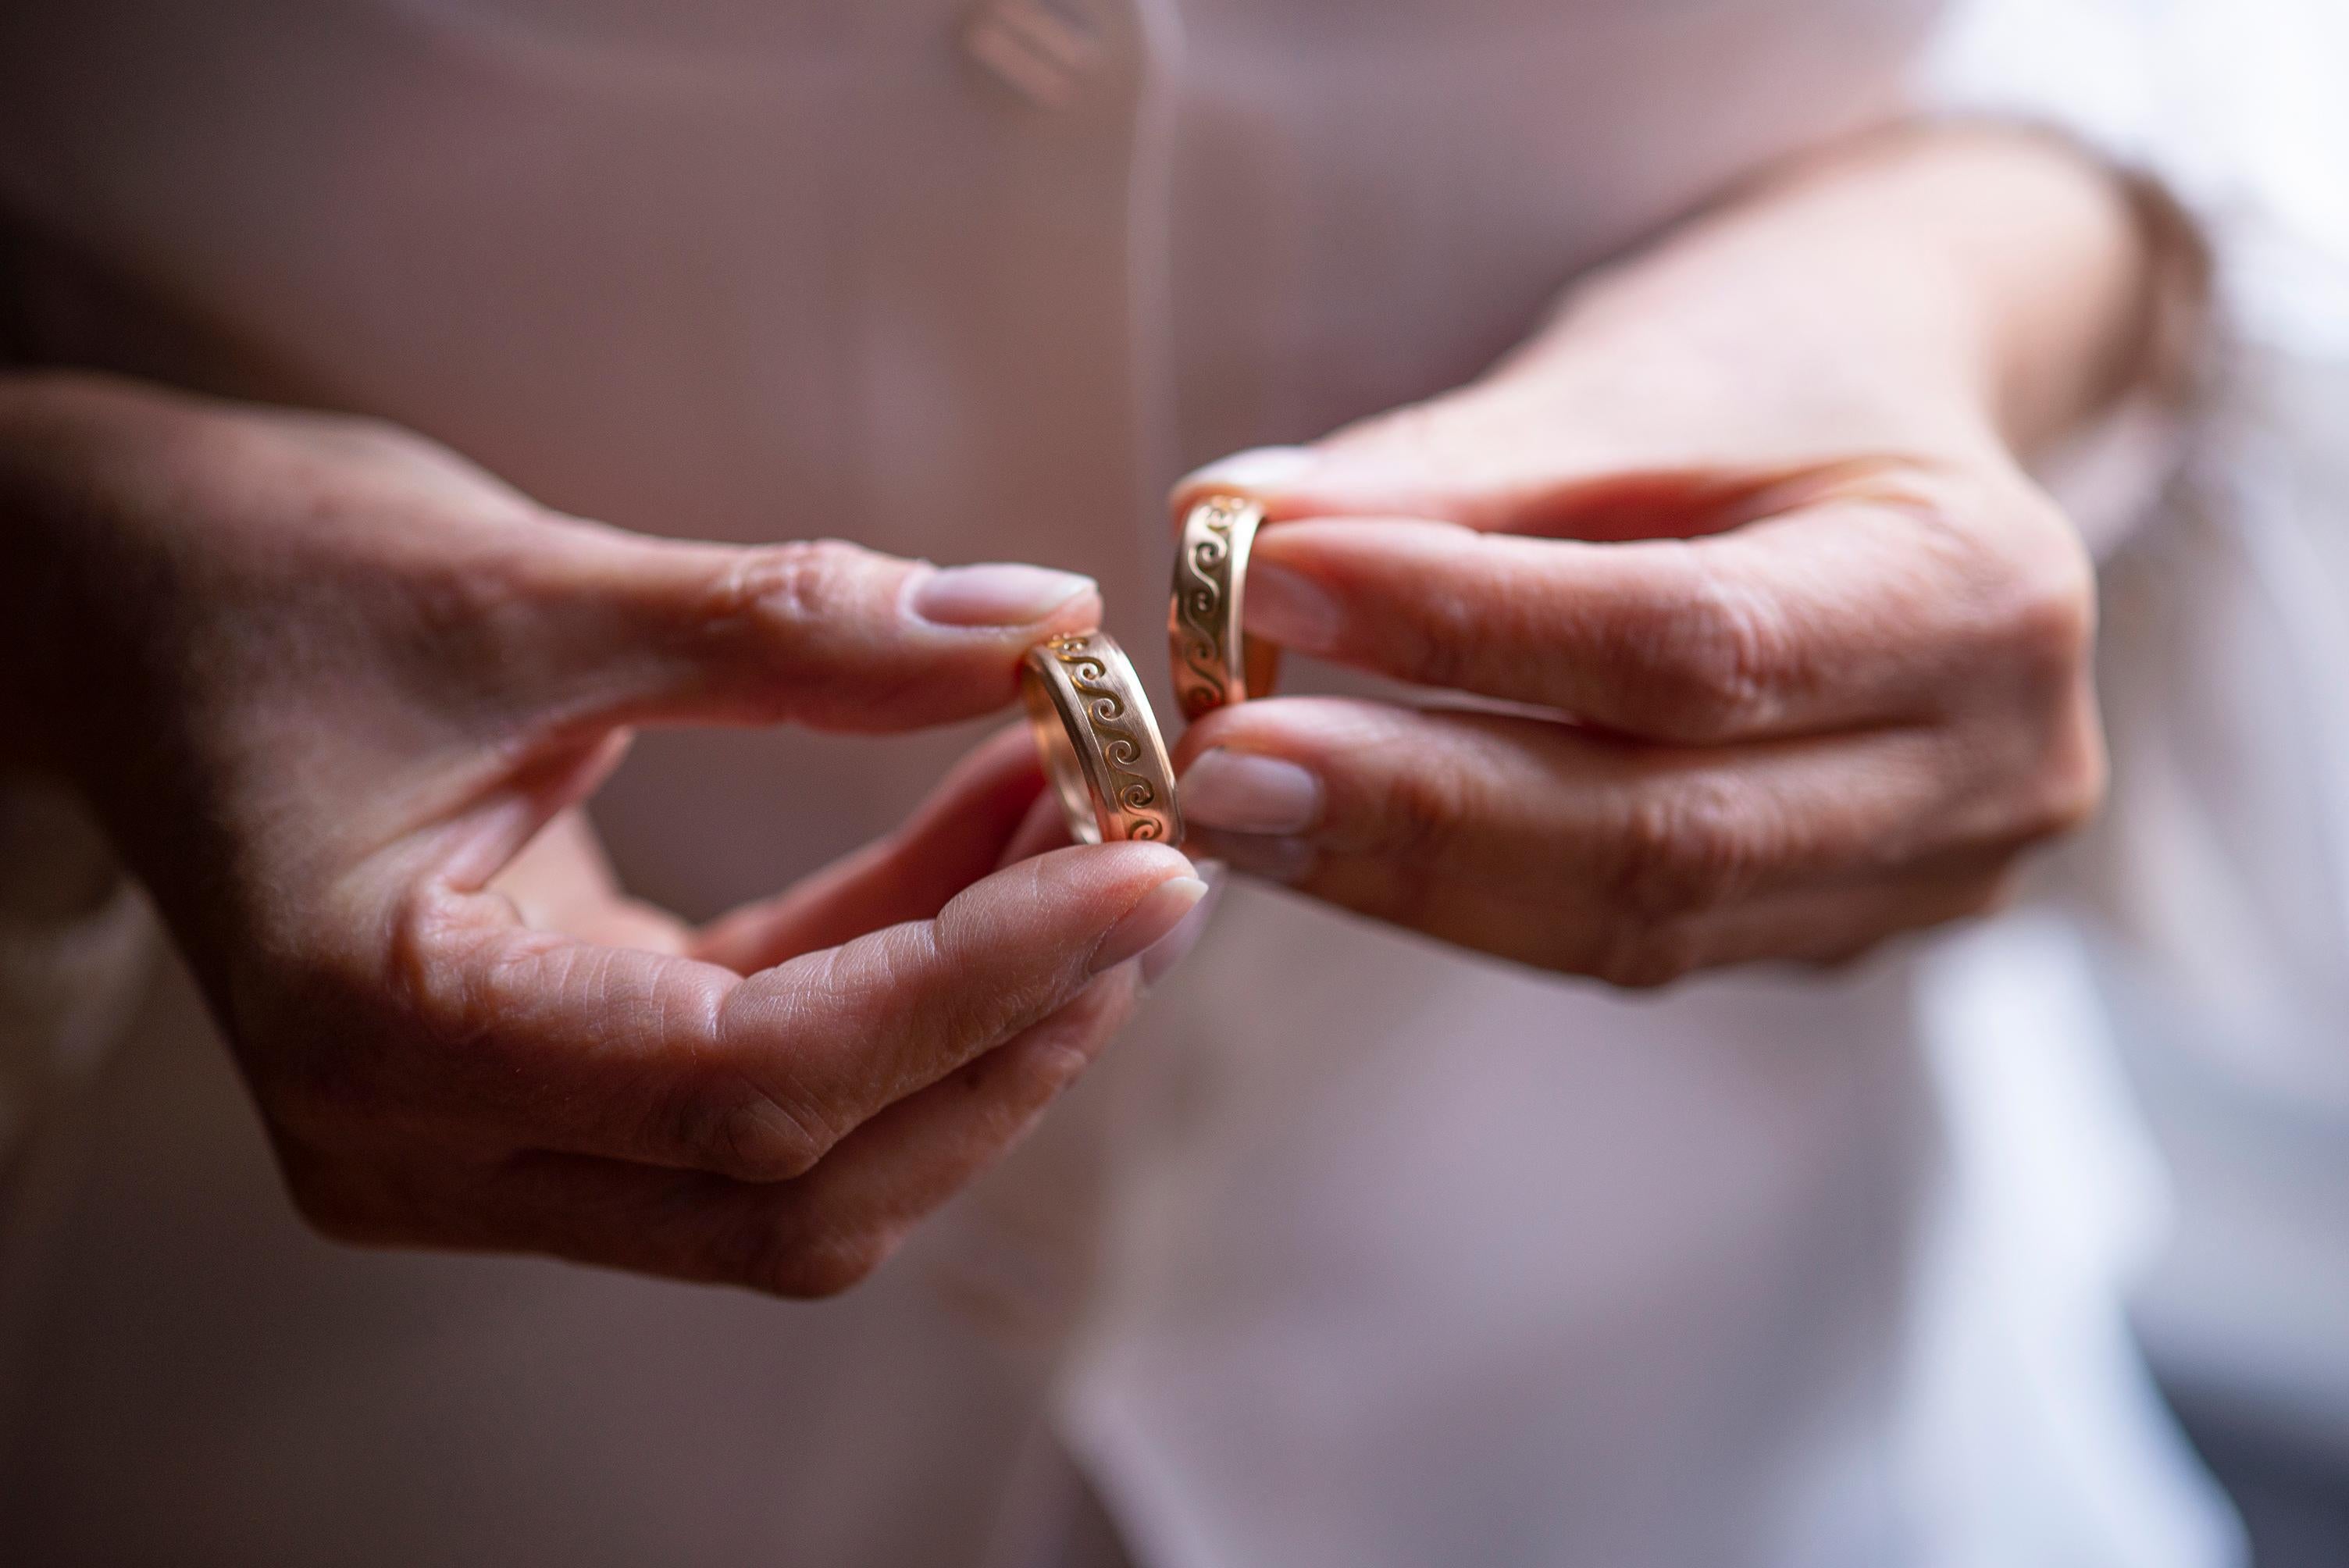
x,y
1840,614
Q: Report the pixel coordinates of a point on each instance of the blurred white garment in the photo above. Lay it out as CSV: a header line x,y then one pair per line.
x,y
1358,1251
2217,896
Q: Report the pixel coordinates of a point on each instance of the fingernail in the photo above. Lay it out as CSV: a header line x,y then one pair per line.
x,y
1269,857
1258,469
997,593
1243,794
1161,956
1162,909
1291,609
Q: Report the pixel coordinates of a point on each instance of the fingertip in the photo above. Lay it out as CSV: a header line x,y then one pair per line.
x,y
1134,864
1153,861
1161,958
1253,473
1156,917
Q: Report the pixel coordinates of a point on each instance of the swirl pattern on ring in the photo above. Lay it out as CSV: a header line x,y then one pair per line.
x,y
1202,582
1135,795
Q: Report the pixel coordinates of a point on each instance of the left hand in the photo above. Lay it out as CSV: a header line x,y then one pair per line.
x,y
1807,651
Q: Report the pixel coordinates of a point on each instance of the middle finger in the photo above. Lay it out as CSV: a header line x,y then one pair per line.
x,y
1533,808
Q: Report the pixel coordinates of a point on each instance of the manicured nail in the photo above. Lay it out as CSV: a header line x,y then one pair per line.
x,y
1269,857
1243,794
1160,957
995,594
1162,909
1291,609
1258,469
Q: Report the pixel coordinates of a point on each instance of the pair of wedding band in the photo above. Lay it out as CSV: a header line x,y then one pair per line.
x,y
1101,744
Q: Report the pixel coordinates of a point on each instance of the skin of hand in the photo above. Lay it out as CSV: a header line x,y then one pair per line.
x,y
1774,648
336,696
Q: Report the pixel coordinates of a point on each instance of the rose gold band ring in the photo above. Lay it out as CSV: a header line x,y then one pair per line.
x,y
1215,661
1099,743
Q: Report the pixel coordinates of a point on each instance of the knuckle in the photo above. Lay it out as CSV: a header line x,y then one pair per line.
x,y
453,1003
1426,803
801,584
1683,851
2049,610
1443,634
1711,663
2028,585
1645,955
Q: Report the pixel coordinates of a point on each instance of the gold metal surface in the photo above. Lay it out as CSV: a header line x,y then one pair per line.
x,y
1099,742
1215,661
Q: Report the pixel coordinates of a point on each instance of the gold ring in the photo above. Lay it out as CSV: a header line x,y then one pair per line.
x,y
1215,661
1099,743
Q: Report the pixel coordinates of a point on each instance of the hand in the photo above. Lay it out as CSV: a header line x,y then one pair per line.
x,y
326,685
1793,654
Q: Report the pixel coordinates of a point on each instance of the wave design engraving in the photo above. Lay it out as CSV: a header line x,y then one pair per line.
x,y
1134,795
1202,577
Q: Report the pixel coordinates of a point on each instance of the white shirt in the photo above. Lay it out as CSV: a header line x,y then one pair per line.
x,y
1357,1250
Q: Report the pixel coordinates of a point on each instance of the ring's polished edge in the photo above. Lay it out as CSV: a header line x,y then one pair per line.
x,y
1215,661
1099,742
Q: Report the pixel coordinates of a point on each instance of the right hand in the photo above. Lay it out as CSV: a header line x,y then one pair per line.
x,y
327,686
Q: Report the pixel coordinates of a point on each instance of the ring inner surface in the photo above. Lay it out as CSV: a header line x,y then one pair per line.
x,y
1063,768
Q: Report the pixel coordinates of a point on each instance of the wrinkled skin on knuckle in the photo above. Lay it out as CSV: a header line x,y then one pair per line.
x,y
784,594
1683,850
1706,667
1441,635
775,618
795,581
430,976
475,606
1425,802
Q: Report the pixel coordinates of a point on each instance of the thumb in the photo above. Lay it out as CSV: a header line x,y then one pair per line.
x,y
823,633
